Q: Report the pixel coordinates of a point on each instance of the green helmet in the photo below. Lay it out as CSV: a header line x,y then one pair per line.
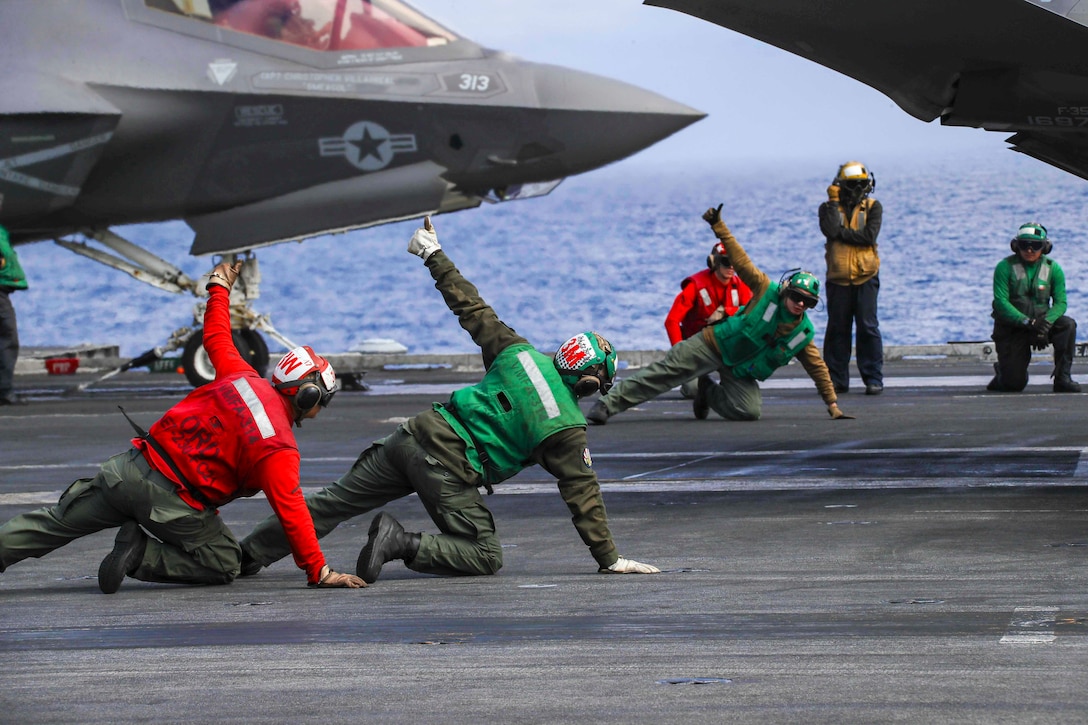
x,y
805,284
587,363
1031,236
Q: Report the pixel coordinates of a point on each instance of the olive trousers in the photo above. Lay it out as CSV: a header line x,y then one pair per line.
x,y
733,399
392,468
192,547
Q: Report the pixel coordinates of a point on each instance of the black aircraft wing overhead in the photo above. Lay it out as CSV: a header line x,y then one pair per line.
x,y
1001,65
342,205
258,121
261,121
54,133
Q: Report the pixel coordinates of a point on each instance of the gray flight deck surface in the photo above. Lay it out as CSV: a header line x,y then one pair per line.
x,y
925,562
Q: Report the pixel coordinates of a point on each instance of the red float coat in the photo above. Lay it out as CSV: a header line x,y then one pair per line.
x,y
701,294
233,438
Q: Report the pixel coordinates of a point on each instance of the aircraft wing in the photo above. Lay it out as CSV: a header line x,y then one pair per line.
x,y
360,201
54,131
1001,65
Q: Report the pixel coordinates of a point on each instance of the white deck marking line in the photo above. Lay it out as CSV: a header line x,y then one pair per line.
x,y
1082,465
695,455
685,464
1031,625
701,456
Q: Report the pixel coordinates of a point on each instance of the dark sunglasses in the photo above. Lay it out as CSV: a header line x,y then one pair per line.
x,y
1027,246
801,299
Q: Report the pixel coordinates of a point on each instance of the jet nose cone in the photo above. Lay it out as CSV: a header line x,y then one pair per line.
x,y
600,120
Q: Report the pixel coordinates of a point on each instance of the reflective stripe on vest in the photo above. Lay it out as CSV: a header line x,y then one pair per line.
x,y
797,340
539,384
769,313
1030,298
256,408
857,220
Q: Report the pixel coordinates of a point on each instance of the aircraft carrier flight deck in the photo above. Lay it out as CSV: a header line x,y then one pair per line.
x,y
923,562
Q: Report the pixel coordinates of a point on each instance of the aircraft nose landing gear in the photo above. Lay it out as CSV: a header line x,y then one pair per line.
x,y
198,368
151,269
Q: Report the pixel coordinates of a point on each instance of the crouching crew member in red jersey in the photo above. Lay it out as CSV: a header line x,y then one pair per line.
x,y
229,438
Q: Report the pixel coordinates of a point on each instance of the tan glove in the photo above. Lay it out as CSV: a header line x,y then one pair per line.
x,y
716,315
836,414
224,275
712,216
833,193
330,578
629,566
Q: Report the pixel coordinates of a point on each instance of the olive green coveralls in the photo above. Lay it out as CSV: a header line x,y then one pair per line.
x,y
427,457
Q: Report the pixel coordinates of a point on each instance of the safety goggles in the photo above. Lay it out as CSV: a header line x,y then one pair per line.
x,y
326,395
808,302
601,373
1026,245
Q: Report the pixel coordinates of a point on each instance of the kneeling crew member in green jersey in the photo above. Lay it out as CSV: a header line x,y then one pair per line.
x,y
748,347
524,411
1029,312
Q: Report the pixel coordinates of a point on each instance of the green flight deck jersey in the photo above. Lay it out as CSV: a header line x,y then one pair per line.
x,y
520,402
747,340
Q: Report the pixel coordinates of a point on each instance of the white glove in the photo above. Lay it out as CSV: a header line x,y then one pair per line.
x,y
424,242
629,566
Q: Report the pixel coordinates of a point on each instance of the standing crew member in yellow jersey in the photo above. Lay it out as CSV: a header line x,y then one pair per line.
x,y
850,220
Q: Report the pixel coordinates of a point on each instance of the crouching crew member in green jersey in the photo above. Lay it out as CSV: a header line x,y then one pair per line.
x,y
748,347
524,411
1029,312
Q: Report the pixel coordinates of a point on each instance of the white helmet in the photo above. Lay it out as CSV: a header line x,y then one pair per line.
x,y
305,377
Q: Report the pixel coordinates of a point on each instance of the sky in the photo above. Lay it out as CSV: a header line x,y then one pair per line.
x,y
764,104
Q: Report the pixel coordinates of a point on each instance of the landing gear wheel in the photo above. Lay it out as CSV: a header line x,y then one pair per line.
x,y
198,366
255,351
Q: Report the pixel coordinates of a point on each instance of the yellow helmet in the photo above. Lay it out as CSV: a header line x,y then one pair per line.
x,y
853,176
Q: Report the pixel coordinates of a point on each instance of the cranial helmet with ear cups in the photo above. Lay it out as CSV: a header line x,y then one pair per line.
x,y
853,176
803,283
587,363
1032,232
717,256
307,378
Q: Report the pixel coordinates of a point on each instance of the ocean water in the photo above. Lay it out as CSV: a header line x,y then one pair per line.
x,y
604,251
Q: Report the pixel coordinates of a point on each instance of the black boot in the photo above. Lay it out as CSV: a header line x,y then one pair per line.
x,y
1063,366
1064,383
250,566
387,541
127,554
700,405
